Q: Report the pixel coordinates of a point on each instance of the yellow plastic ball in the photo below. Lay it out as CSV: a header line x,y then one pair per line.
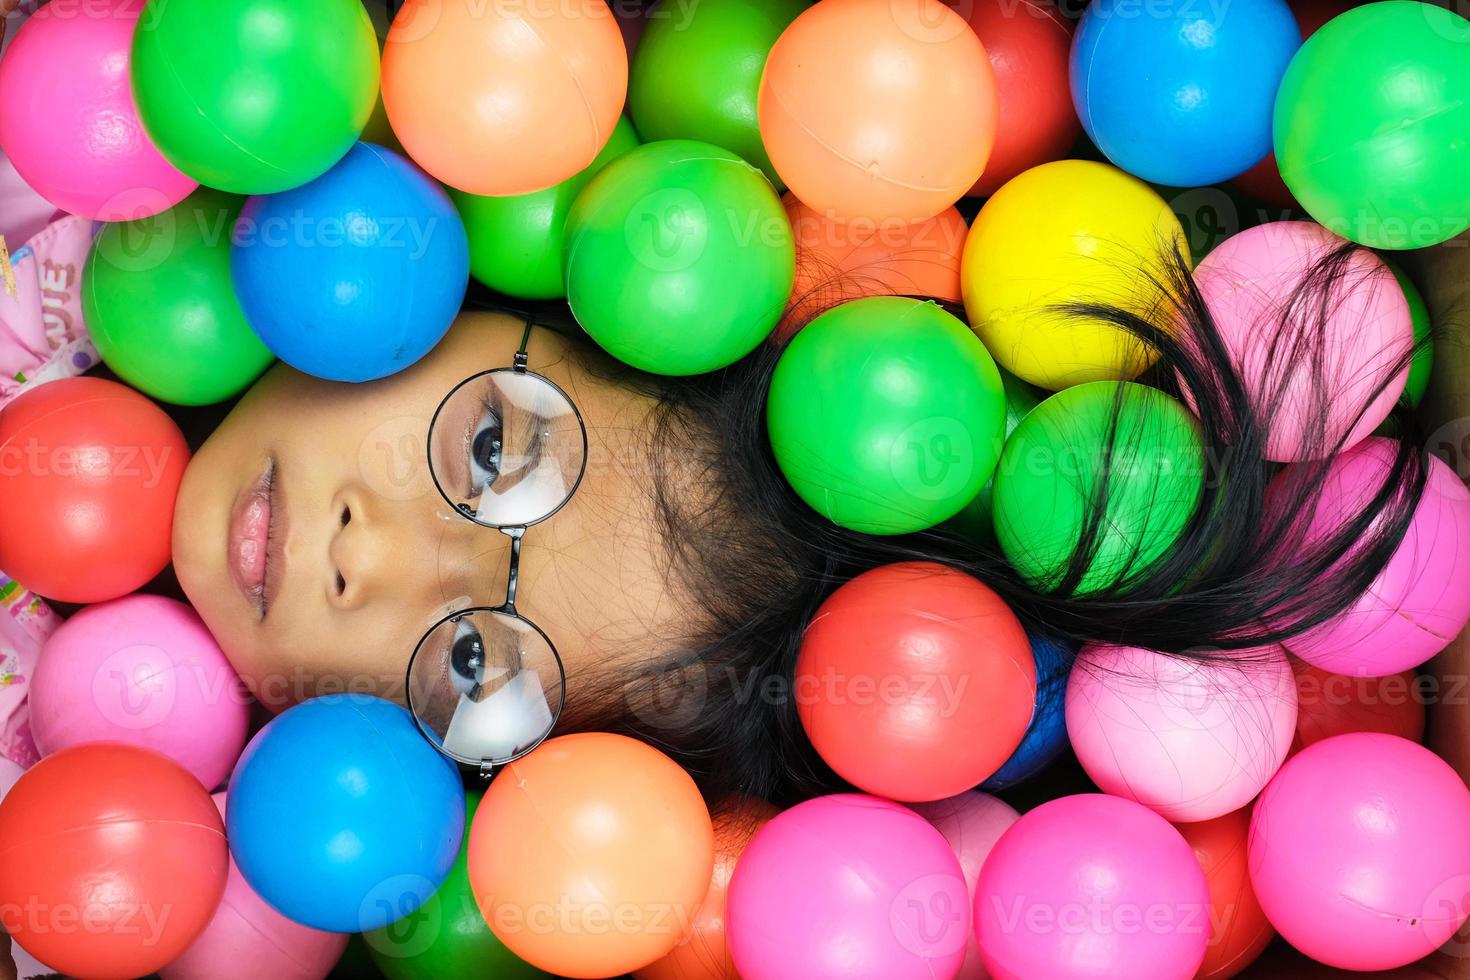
x,y
1067,232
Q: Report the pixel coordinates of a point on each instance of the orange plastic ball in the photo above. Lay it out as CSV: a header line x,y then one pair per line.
x,y
878,109
1331,704
504,97
915,681
112,861
840,261
1238,928
590,856
705,953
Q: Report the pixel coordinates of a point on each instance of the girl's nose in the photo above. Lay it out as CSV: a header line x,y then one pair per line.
x,y
356,552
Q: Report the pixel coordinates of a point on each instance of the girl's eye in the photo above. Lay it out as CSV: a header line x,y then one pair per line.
x,y
486,446
466,659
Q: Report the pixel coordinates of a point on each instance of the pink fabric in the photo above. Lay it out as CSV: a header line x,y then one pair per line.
x,y
25,623
42,336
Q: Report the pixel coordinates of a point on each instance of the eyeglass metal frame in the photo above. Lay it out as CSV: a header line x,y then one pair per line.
x,y
515,532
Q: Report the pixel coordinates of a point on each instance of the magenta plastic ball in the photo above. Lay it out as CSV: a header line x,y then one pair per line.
x,y
142,670
1317,383
1420,600
847,887
1188,738
1092,887
971,823
68,122
1360,851
247,940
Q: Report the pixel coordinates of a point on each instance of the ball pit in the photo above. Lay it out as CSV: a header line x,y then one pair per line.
x,y
161,308
1046,736
793,912
1366,125
355,275
254,96
1338,857
1239,931
702,251
1331,704
68,122
335,769
141,670
1068,232
144,865
92,469
886,415
915,681
883,110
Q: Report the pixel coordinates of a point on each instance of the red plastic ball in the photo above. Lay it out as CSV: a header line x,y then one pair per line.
x,y
1029,43
1331,704
112,861
90,469
915,681
1239,932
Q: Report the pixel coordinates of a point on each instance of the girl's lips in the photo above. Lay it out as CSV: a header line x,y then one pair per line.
x,y
249,540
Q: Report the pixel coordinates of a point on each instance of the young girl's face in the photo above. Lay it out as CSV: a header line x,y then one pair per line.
x,y
311,539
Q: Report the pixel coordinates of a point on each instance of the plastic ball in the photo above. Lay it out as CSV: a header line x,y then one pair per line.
x,y
1417,603
971,823
1092,886
1239,931
885,415
255,96
1029,42
141,873
705,953
91,473
503,98
878,109
356,275
68,122
1338,854
1068,232
342,816
915,681
1192,739
161,308
1422,363
590,856
1332,704
700,250
696,74
1143,443
516,241
975,521
794,913
1317,382
447,935
1182,95
141,670
1046,736
840,261
247,939
1369,125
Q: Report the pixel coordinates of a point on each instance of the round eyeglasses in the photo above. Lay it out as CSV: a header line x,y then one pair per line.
x,y
507,449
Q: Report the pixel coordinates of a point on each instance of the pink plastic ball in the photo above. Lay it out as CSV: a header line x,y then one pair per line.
x,y
68,122
1419,601
248,939
850,887
972,823
1313,391
145,671
1092,887
1189,738
1360,851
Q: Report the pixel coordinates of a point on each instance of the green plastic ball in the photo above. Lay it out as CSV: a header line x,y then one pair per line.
x,y
161,308
447,936
1372,121
678,258
886,415
254,96
1423,361
974,521
1058,460
516,241
697,71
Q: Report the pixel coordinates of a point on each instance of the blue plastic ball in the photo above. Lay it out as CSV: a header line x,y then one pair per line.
x,y
341,816
357,274
1180,92
1046,737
